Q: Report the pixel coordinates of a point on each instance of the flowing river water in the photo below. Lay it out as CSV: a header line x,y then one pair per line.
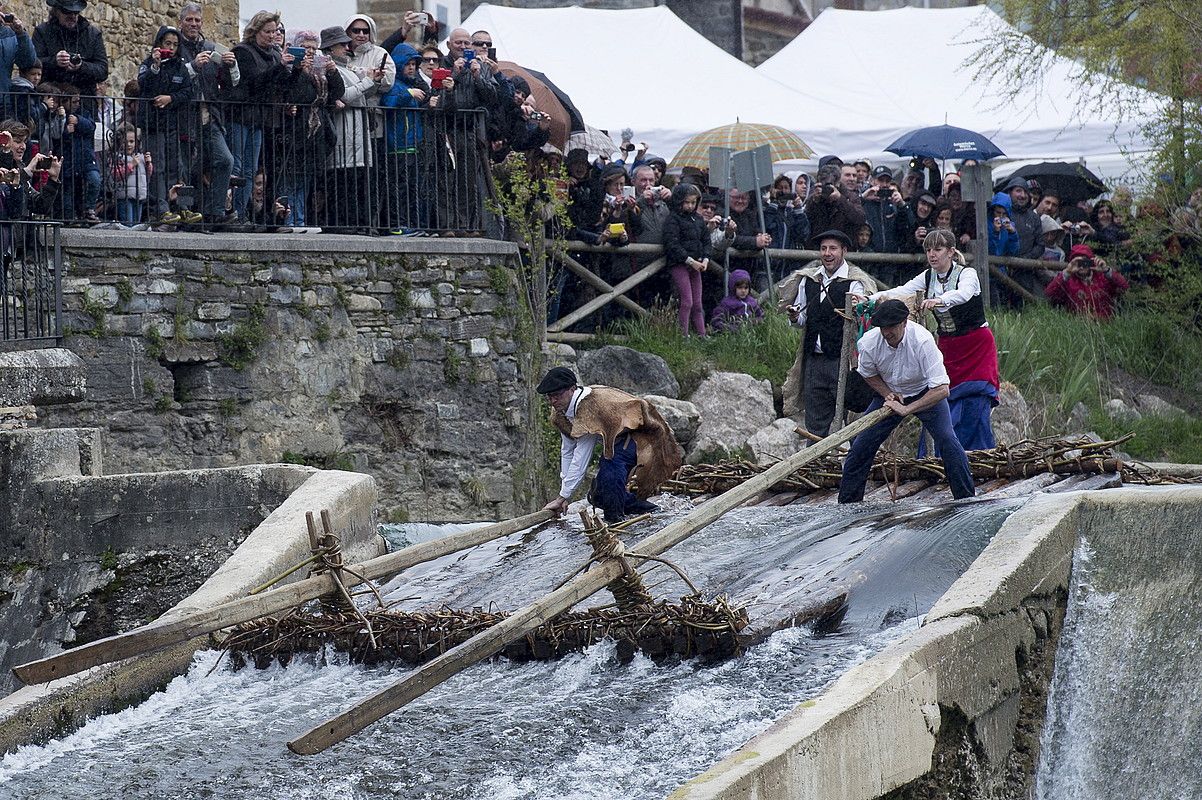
x,y
586,726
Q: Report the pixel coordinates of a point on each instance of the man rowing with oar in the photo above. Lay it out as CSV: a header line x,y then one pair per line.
x,y
637,445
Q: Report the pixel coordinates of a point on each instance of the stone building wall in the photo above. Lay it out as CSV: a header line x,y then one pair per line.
x,y
405,362
130,25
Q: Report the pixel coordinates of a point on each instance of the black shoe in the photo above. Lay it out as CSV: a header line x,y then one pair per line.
x,y
614,519
641,507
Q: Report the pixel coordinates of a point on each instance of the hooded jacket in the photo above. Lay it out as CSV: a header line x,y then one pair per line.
x,y
85,39
14,49
1003,242
1026,223
364,59
403,129
171,78
685,232
732,312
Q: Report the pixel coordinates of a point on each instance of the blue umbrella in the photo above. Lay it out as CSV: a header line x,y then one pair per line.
x,y
945,141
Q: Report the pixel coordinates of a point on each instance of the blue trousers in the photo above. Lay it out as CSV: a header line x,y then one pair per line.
x,y
609,489
937,420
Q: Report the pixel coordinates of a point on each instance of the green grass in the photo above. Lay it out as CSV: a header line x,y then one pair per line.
x,y
1175,439
763,351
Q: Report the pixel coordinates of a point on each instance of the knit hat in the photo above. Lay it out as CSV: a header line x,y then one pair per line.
x,y
1047,224
1080,251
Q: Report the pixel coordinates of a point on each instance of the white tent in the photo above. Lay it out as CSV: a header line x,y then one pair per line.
x,y
647,70
911,65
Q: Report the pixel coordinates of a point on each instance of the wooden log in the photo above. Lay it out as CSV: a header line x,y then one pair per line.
x,y
161,634
489,642
581,338
603,299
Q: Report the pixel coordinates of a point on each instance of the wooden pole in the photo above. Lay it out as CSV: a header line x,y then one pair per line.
x,y
849,341
521,622
158,635
601,300
589,277
978,187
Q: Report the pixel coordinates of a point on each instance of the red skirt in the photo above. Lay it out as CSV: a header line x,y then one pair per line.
x,y
971,357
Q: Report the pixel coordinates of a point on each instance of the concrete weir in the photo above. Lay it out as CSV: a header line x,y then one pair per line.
x,y
958,705
80,536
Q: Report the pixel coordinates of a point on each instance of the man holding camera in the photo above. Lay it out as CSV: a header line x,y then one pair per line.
x,y
1087,285
830,207
888,217
72,50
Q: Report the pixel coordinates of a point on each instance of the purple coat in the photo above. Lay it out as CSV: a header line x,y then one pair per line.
x,y
733,312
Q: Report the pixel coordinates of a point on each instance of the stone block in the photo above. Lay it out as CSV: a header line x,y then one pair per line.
x,y
213,311
41,377
478,348
363,303
775,442
422,298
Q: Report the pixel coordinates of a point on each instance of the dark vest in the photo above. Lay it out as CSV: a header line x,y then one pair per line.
x,y
961,319
821,319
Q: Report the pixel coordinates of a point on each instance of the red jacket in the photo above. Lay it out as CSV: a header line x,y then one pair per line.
x,y
1096,298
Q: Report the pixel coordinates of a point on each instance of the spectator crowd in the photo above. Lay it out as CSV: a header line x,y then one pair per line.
x,y
349,128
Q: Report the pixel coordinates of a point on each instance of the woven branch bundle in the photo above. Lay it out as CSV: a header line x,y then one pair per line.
x,y
1025,459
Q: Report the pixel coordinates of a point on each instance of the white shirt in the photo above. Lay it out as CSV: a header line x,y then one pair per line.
x,y
967,287
574,454
856,287
915,364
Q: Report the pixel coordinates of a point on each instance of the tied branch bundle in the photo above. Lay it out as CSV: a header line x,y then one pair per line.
x,y
1059,455
687,629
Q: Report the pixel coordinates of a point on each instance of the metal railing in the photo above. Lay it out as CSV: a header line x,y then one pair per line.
x,y
31,290
315,163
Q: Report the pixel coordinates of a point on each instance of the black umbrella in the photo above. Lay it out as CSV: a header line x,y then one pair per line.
x,y
1068,180
574,116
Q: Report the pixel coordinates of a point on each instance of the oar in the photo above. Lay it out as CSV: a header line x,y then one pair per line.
x,y
161,634
489,642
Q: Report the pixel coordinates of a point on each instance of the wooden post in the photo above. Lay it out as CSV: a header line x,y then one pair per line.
x,y
849,341
164,633
521,622
589,277
976,181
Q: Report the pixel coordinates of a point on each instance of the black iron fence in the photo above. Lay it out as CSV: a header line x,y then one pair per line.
x,y
316,163
30,283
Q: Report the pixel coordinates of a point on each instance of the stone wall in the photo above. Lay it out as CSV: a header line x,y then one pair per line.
x,y
129,27
400,359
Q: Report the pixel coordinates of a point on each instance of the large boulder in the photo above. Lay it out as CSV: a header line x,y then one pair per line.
x,y
733,408
682,416
1120,412
775,442
629,370
1156,406
1011,418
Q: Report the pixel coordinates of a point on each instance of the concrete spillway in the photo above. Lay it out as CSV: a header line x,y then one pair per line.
x,y
586,727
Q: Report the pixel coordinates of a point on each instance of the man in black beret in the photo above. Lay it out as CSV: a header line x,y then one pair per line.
x,y
813,297
902,364
637,445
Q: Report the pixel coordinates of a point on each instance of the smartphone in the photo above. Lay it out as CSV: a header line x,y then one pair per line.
x,y
492,54
438,77
617,228
296,52
6,138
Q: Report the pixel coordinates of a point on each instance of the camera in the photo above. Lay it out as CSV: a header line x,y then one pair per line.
x,y
915,164
539,115
76,59
468,54
9,19
164,53
1076,229
423,18
1087,263
826,189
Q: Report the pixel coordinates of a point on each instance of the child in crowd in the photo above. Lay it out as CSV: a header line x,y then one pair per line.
x,y
131,171
81,176
23,93
738,307
687,249
1052,237
1003,238
864,239
45,123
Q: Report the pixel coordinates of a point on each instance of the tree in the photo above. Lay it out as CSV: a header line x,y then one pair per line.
x,y
1118,46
